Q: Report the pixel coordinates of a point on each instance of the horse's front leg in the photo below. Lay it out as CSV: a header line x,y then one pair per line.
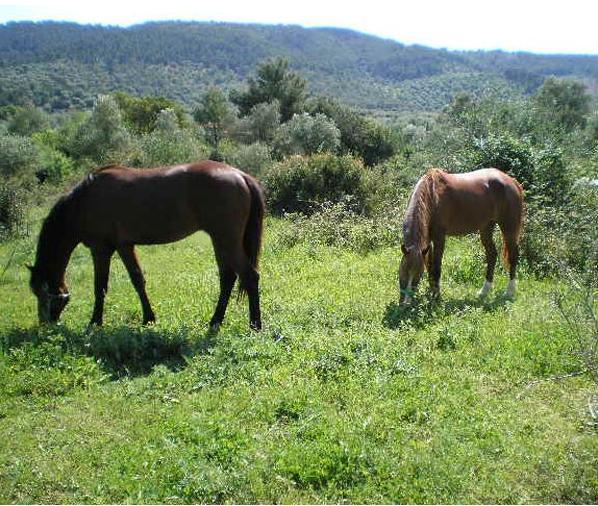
x,y
434,262
101,264
129,258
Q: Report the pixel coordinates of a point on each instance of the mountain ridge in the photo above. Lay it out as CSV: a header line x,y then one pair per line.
x,y
224,54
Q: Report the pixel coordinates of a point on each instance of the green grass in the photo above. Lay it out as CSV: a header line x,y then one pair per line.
x,y
344,397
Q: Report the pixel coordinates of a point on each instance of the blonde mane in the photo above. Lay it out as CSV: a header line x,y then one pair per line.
x,y
416,227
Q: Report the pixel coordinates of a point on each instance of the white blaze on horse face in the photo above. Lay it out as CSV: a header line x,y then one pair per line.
x,y
485,289
511,288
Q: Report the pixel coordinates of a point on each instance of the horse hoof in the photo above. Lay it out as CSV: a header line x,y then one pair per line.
x,y
257,326
485,290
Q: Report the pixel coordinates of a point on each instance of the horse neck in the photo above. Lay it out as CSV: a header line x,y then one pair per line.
x,y
416,230
56,243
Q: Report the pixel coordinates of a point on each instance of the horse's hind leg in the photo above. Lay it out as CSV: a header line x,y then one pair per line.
x,y
232,262
511,255
129,258
101,265
227,281
491,255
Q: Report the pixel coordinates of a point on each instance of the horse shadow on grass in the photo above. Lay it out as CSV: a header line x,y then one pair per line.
x,y
122,351
425,310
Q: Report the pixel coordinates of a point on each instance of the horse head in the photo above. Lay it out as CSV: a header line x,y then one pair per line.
x,y
411,270
52,298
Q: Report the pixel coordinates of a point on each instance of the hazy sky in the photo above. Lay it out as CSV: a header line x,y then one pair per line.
x,y
564,26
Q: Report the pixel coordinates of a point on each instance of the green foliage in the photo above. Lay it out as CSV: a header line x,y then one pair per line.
x,y
260,125
102,137
13,206
301,183
19,157
168,144
54,165
306,135
253,158
340,226
359,136
273,81
27,120
140,113
215,114
565,103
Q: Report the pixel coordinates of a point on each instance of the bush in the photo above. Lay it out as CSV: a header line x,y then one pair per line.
x,y
359,136
306,135
301,183
12,209
168,144
19,157
260,125
102,137
253,159
564,237
340,226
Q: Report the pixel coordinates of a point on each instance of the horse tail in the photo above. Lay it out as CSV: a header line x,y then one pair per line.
x,y
520,212
252,238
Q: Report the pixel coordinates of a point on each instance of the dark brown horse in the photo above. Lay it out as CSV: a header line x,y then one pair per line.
x,y
115,208
456,204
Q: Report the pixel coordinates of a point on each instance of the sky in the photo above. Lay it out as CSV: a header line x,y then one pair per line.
x,y
563,26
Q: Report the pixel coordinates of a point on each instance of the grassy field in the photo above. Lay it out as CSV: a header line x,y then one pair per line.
x,y
344,397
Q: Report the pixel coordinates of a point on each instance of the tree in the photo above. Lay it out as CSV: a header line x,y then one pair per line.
x,y
564,102
102,137
214,113
360,136
27,120
273,81
140,114
306,135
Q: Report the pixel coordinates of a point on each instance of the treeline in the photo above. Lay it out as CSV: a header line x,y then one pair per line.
x,y
321,158
63,65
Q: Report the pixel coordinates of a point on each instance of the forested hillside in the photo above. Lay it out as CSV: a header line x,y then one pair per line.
x,y
64,65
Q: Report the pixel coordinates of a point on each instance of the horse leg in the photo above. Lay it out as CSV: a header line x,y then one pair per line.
x,y
101,264
491,255
233,262
435,264
227,281
512,259
129,258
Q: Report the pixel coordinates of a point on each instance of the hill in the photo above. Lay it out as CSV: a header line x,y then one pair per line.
x,y
62,65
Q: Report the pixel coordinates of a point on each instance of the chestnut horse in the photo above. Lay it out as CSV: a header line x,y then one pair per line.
x,y
115,208
455,204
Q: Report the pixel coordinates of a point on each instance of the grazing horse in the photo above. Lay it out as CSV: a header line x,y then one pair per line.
x,y
115,208
455,204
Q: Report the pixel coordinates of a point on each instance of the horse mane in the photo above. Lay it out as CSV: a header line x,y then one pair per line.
x,y
55,225
420,209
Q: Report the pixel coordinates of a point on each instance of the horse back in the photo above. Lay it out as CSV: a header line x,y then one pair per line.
x,y
153,206
468,202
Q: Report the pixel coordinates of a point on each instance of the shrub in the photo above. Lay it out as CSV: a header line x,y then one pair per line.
x,y
339,225
564,236
102,137
299,183
253,159
19,157
168,144
12,209
306,135
260,125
